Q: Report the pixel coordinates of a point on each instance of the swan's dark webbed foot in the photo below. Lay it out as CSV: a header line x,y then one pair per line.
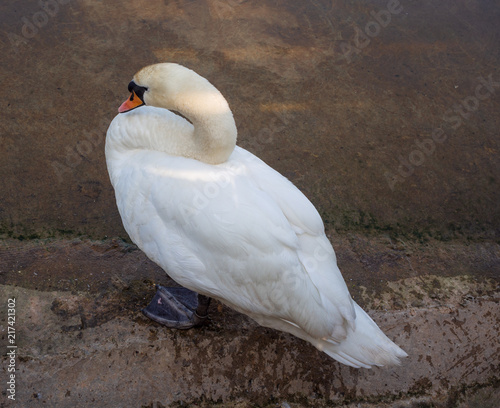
x,y
178,308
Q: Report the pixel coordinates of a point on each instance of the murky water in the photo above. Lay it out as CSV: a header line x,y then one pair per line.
x,y
371,108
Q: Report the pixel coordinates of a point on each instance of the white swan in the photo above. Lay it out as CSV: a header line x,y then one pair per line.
x,y
224,224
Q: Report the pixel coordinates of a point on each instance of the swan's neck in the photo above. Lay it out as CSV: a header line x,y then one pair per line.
x,y
213,136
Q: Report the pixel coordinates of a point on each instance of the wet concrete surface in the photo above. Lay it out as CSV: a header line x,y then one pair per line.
x,y
384,113
82,340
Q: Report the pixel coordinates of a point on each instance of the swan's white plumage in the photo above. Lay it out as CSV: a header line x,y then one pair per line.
x,y
239,232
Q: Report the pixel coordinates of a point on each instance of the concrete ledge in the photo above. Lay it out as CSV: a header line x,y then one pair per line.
x,y
93,347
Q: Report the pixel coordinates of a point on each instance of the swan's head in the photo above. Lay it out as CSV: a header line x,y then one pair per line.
x,y
213,133
167,85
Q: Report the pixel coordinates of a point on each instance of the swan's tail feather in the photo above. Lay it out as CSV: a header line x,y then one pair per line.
x,y
366,346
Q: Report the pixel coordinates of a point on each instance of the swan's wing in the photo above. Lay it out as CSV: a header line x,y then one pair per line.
x,y
219,230
315,250
302,215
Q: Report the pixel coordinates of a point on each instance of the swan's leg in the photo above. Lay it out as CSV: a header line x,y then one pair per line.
x,y
179,308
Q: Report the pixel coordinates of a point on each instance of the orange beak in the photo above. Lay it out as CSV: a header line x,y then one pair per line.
x,y
131,103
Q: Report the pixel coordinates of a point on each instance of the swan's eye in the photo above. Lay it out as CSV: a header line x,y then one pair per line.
x,y
138,90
